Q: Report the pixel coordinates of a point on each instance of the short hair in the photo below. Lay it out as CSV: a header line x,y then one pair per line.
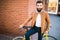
x,y
39,2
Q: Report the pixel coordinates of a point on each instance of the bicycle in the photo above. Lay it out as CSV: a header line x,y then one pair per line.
x,y
45,36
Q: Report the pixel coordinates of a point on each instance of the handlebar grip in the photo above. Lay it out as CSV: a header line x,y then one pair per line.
x,y
25,27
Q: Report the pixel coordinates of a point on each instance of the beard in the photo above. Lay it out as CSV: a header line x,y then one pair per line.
x,y
39,10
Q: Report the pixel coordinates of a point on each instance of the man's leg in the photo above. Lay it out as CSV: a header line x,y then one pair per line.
x,y
39,34
29,33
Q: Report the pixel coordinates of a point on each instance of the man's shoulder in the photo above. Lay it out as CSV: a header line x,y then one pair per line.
x,y
44,11
32,13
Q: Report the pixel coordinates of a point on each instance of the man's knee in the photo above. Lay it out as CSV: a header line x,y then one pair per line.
x,y
27,34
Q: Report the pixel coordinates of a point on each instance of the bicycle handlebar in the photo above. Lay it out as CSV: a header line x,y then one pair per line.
x,y
25,27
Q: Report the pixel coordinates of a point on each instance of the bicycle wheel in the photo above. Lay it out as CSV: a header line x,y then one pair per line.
x,y
49,38
18,38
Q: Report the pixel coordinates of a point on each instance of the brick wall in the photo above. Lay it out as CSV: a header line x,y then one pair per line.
x,y
13,13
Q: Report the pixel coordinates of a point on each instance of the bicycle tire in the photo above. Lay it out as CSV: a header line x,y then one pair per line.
x,y
49,37
18,38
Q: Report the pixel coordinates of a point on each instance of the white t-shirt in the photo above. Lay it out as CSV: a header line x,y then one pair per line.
x,y
38,20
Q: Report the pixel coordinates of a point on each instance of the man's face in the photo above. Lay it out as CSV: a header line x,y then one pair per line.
x,y
39,6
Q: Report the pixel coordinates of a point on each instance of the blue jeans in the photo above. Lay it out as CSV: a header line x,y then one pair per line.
x,y
33,31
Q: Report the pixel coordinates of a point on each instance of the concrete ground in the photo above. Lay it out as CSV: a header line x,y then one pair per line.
x,y
55,26
54,30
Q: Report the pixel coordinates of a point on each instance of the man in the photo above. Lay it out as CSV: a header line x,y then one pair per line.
x,y
40,22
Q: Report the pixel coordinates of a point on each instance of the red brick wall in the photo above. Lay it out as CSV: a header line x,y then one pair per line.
x,y
13,13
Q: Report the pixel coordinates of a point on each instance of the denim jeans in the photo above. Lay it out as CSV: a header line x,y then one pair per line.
x,y
33,31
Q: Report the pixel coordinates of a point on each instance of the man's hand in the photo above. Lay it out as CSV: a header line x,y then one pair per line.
x,y
21,26
46,32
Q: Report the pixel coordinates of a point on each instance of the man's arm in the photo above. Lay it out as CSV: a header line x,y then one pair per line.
x,y
48,21
26,22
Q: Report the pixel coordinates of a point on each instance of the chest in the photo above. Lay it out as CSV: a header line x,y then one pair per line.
x,y
38,18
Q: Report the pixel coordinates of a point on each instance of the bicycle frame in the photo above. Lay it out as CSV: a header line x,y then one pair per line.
x,y
44,35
